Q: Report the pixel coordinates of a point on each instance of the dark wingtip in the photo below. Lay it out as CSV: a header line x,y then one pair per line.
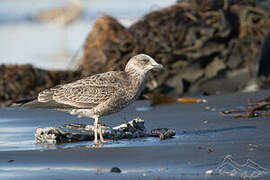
x,y
23,101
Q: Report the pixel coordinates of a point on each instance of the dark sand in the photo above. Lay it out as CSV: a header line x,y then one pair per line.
x,y
184,157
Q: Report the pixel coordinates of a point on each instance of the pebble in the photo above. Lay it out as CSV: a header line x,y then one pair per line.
x,y
115,170
209,150
209,172
207,108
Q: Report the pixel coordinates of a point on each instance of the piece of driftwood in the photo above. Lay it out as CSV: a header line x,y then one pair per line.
x,y
81,132
256,109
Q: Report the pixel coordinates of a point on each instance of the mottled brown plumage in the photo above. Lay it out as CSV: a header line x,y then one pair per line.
x,y
100,94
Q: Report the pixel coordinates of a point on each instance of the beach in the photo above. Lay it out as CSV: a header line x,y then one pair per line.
x,y
204,139
210,51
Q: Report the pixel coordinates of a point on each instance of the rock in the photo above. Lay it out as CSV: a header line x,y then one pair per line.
x,y
25,81
107,37
234,58
209,172
194,40
192,73
213,68
177,83
115,170
264,59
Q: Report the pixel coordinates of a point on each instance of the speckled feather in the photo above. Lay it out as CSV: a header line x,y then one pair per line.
x,y
92,91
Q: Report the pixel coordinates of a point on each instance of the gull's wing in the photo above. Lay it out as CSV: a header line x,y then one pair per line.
x,y
87,92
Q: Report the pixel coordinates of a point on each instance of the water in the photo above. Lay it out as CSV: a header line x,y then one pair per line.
x,y
48,46
197,147
18,126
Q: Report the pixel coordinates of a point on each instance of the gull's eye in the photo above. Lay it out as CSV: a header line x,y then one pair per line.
x,y
145,61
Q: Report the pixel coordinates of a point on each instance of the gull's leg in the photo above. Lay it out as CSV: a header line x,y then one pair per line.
x,y
95,131
101,135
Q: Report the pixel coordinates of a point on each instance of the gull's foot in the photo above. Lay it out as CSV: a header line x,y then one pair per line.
x,y
106,141
97,145
101,136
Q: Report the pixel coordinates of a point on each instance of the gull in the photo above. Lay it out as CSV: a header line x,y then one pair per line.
x,y
100,94
62,15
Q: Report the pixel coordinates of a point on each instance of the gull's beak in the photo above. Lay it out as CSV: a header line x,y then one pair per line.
x,y
157,66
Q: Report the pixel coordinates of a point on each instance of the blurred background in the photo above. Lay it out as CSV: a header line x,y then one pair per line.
x,y
209,47
49,43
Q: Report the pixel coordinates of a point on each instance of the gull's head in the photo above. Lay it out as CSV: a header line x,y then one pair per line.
x,y
141,64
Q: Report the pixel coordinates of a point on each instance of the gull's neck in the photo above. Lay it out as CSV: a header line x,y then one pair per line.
x,y
135,74
137,79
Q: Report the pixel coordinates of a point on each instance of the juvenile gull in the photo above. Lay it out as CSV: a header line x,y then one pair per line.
x,y
101,94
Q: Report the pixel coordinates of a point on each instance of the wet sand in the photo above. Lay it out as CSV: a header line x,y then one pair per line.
x,y
203,140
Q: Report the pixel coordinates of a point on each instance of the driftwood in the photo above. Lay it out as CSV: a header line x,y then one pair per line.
x,y
81,132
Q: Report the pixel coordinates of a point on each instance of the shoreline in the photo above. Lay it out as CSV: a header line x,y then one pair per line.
x,y
185,157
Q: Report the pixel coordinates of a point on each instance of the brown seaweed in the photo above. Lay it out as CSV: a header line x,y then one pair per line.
x,y
256,109
221,35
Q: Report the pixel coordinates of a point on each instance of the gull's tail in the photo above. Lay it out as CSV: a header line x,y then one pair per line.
x,y
24,102
36,103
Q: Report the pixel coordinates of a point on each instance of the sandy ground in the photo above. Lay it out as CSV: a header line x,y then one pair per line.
x,y
204,141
